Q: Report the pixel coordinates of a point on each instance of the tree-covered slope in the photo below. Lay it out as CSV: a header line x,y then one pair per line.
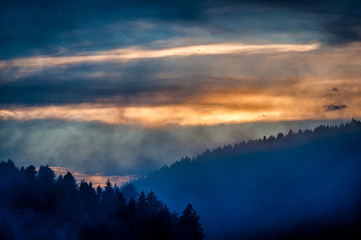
x,y
305,184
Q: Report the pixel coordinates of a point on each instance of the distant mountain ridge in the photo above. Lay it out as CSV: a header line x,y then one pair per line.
x,y
273,186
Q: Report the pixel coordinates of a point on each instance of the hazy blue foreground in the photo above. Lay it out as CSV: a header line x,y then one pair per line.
x,y
304,185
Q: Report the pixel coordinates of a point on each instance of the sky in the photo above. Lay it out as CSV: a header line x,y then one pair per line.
x,y
124,87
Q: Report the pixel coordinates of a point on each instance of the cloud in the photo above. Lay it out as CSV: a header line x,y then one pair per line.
x,y
345,28
189,90
332,107
236,105
45,28
134,53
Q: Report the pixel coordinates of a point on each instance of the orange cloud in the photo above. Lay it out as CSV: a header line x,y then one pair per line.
x,y
209,109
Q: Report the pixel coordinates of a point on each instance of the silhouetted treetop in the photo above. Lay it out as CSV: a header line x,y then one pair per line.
x,y
189,224
46,175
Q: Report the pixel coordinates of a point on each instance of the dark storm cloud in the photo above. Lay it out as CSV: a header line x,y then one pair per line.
x,y
332,107
117,83
345,29
35,93
341,20
47,27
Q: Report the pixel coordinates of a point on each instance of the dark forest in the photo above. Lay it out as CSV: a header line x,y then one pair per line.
x,y
37,205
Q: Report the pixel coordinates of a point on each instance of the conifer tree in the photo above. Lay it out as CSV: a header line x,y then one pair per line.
x,y
190,227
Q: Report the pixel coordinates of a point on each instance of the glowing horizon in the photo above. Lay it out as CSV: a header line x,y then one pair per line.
x,y
209,111
97,179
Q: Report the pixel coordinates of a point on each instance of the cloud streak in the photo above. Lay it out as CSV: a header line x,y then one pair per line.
x,y
133,53
210,109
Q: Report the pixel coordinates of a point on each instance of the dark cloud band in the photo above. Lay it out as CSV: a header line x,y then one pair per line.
x,y
30,28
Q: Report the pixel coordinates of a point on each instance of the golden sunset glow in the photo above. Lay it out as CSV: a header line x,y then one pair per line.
x,y
210,109
270,82
95,179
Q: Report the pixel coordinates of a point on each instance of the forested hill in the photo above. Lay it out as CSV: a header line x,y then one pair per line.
x,y
38,205
304,184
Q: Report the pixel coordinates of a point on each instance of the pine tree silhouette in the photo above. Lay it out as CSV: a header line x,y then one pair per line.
x,y
190,227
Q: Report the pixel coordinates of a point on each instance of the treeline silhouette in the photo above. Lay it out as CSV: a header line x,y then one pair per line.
x,y
37,205
299,185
